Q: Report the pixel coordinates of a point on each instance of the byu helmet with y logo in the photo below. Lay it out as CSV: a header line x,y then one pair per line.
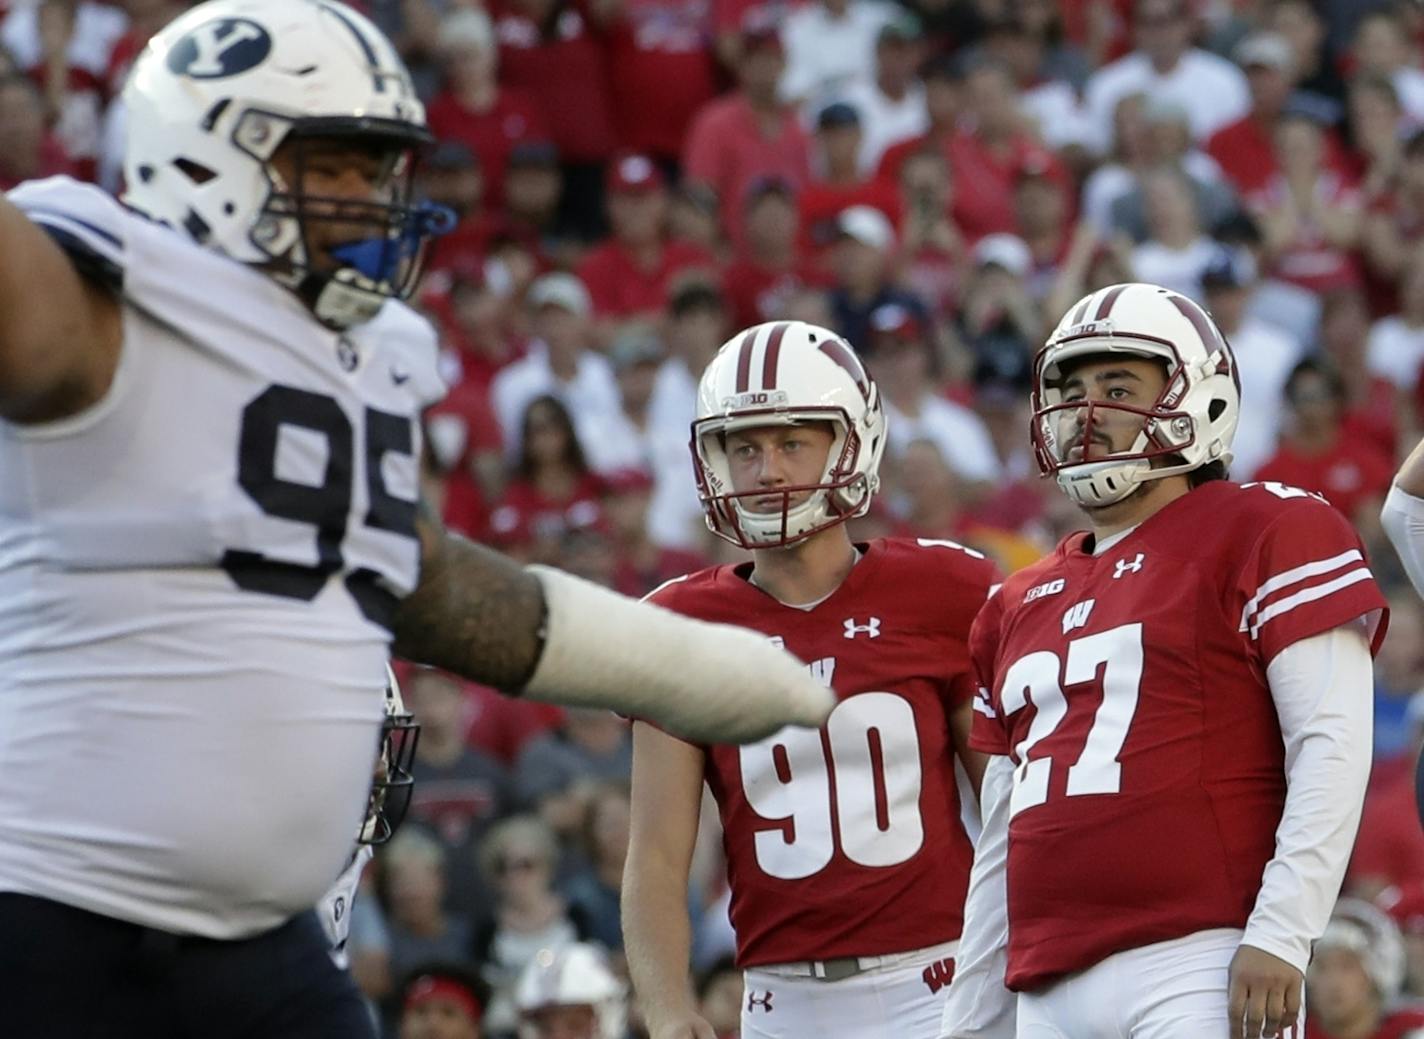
x,y
222,87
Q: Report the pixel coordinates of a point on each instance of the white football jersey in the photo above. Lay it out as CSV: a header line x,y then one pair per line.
x,y
197,576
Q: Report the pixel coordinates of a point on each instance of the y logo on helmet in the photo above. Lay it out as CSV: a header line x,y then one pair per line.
x,y
222,47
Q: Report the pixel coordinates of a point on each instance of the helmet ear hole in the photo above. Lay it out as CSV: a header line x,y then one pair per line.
x,y
1215,408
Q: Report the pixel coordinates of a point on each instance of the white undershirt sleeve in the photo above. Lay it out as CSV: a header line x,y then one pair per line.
x,y
979,1006
1403,520
1322,687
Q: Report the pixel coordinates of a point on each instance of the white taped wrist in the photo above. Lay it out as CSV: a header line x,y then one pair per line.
x,y
712,683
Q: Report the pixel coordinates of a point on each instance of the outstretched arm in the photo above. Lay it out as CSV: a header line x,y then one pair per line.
x,y
555,637
475,612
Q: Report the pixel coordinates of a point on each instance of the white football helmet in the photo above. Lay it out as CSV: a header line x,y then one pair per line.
x,y
1367,931
393,782
787,373
571,976
221,87
1190,424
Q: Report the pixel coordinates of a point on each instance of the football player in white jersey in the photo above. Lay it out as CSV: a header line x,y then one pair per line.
x,y
210,540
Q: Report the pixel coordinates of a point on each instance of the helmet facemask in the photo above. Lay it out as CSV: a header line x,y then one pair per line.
x,y
842,492
393,782
1101,478
383,257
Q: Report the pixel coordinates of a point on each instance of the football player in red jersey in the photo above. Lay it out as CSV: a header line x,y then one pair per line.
x,y
846,855
1177,705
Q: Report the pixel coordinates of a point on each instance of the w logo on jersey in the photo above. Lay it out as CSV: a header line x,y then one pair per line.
x,y
823,670
1076,616
939,975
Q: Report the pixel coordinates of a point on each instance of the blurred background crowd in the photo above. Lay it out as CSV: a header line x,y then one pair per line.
x,y
936,180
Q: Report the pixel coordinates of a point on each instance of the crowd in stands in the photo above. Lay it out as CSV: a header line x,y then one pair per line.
x,y
937,180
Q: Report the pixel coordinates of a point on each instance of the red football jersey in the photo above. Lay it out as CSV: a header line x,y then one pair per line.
x,y
847,841
1130,691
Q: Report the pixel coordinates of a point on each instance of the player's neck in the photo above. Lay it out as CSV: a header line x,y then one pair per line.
x,y
1138,507
808,571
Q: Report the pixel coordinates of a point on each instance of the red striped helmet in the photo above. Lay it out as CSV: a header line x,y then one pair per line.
x,y
787,373
1189,425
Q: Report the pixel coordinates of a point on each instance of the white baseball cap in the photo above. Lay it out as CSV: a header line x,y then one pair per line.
x,y
561,290
1003,250
866,225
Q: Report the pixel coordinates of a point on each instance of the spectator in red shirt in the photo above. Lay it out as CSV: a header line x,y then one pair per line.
x,y
472,107
1043,212
65,47
695,217
1300,23
988,152
1375,119
1369,398
27,150
944,104
1316,455
770,267
660,56
628,276
1394,224
556,52
533,185
748,133
1310,215
553,490
641,564
1245,150
1389,849
932,249
452,177
836,182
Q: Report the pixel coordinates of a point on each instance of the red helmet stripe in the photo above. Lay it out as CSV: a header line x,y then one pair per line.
x,y
1210,336
844,356
1105,307
744,362
1077,318
772,355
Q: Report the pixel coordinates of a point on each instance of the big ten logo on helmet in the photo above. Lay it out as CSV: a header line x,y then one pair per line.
x,y
222,47
756,399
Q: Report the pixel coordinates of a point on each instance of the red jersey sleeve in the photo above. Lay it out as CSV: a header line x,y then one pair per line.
x,y
1305,574
987,733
